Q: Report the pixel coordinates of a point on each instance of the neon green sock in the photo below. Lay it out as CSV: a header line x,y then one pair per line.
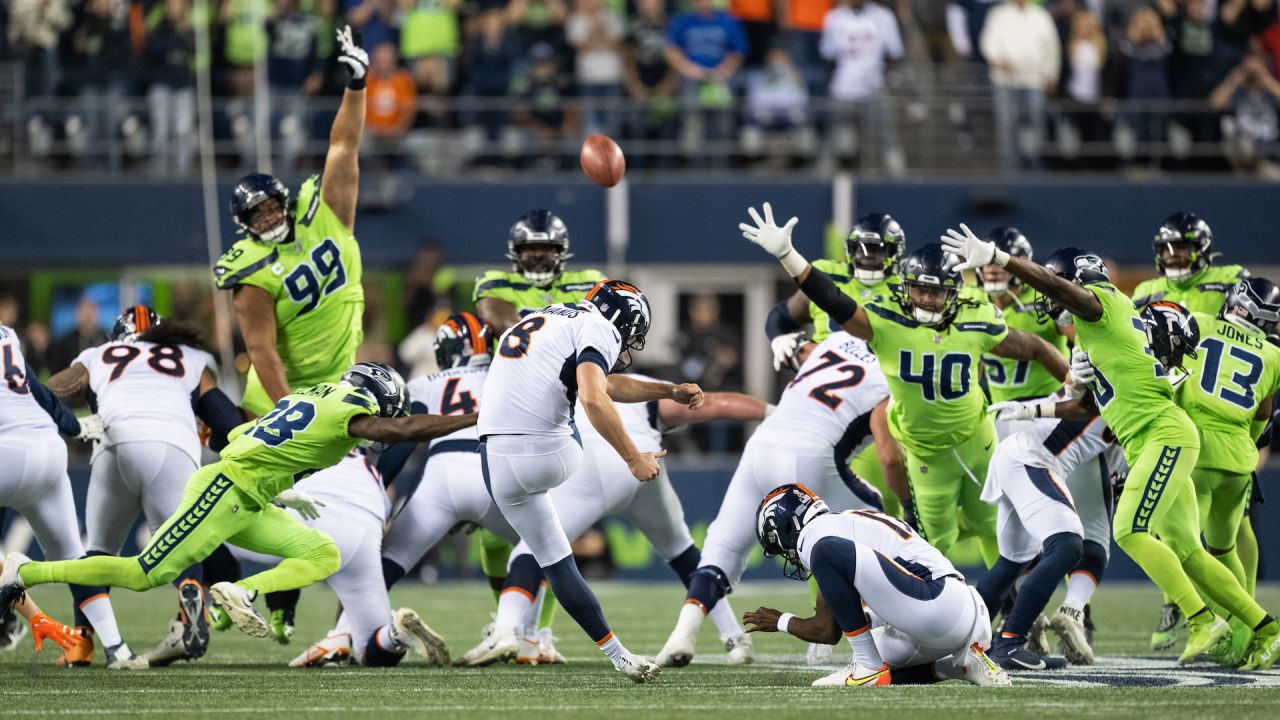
x,y
1246,553
1216,581
1162,566
549,605
494,553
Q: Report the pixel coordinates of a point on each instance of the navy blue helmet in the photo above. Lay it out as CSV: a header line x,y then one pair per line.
x,y
462,337
384,383
875,246
1172,332
1076,265
254,189
781,516
539,227
930,267
623,305
1012,241
1254,301
133,322
1184,227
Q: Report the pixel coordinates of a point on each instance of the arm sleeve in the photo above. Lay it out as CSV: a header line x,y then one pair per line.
x,y
824,293
220,414
779,321
66,421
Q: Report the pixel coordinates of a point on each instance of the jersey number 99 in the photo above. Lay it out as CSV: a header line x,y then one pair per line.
x,y
304,283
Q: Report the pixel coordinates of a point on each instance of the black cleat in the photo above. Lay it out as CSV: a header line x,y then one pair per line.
x,y
1012,654
193,613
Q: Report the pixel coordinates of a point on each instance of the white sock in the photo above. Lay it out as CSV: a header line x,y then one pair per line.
x,y
613,648
103,620
865,652
514,605
726,622
388,643
690,620
1080,589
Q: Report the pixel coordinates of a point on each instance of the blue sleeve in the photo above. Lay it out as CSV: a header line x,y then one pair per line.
x,y
393,459
737,35
591,355
66,421
220,414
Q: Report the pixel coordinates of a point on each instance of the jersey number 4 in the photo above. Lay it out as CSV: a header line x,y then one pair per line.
x,y
164,359
832,361
278,426
304,284
454,402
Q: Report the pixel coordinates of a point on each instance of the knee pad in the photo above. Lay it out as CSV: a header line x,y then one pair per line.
x,y
707,585
1064,548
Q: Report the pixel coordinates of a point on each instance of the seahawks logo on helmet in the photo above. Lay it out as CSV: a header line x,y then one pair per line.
x,y
1255,302
384,383
782,515
1075,265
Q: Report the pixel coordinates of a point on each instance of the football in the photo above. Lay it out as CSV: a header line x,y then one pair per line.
x,y
602,160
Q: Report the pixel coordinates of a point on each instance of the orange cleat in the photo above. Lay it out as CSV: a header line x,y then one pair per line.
x,y
80,651
44,627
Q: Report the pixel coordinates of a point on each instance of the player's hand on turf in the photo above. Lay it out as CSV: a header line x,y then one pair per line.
x,y
762,619
973,251
92,428
775,240
306,506
689,394
645,465
1014,410
353,57
786,349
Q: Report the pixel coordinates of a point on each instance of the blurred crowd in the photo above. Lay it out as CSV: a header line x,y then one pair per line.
x,y
526,78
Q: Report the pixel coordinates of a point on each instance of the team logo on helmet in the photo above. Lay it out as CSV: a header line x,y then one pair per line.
x,y
780,518
384,383
461,338
627,309
1254,302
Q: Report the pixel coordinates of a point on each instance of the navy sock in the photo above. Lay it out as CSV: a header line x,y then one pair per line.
x,y
834,562
706,586
525,574
375,656
1093,561
80,594
1061,553
221,566
685,563
575,597
997,581
391,572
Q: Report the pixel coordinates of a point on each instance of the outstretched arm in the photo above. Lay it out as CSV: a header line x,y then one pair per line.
x,y
1020,345
417,428
717,406
340,183
71,384
256,314
889,453
624,389
594,393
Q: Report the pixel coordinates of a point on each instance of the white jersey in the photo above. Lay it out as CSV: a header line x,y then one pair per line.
x,y
891,538
532,384
456,391
829,403
640,420
352,483
1059,446
19,411
145,392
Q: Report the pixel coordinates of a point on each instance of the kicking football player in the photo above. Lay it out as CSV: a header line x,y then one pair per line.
x,y
836,404
147,381
1161,444
296,275
930,625
231,500
930,347
34,482
550,358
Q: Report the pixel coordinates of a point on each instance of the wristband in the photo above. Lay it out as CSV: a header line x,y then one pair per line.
x,y
783,621
1047,409
358,83
793,262
1000,258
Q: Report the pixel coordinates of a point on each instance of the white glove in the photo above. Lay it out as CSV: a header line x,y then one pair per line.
x,y
775,240
975,252
785,348
351,55
300,501
1016,410
1082,374
92,428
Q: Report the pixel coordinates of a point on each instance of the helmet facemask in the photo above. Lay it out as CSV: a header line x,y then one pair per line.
x,y
268,206
1189,240
870,258
538,267
947,295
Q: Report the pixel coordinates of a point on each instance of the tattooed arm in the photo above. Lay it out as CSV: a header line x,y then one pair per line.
x,y
71,384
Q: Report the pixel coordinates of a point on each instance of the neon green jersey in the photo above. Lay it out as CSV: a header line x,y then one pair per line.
x,y
1117,346
304,433
514,288
1235,370
1009,379
315,281
933,374
1203,292
838,270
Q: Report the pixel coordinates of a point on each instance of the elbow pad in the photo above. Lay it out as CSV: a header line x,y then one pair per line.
x,y
819,288
220,414
779,321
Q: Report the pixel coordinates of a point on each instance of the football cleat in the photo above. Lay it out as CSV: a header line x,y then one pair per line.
x,y
981,670
194,616
170,649
408,630
539,649
1013,654
1038,637
238,604
739,650
1203,633
499,646
1232,649
678,652
1068,624
637,667
121,657
819,654
281,625
218,620
12,630
11,586
80,652
855,675
334,649
529,649
1166,632
1265,649
44,627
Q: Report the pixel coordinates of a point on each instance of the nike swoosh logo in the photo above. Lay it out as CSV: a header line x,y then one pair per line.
x,y
988,447
1040,665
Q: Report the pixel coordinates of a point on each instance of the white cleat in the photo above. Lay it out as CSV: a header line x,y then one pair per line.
x,y
539,649
678,652
738,650
819,654
237,603
408,630
500,645
11,585
855,675
332,650
980,670
121,657
638,668
1038,637
1068,624
171,648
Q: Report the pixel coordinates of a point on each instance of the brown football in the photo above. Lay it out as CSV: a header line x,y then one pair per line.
x,y
602,160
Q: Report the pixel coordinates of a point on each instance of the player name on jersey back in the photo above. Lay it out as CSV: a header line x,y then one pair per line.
x,y
19,411
456,391
533,383
890,537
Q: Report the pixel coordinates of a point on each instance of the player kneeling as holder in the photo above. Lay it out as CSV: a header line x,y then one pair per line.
x,y
922,623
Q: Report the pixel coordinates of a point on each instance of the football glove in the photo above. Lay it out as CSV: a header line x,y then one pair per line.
x,y
1082,375
974,252
353,57
92,428
304,504
775,240
785,348
1014,410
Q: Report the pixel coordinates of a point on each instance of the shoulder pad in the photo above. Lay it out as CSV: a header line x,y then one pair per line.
x,y
244,258
887,314
494,281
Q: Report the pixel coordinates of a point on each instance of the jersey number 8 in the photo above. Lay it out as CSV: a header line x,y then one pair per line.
x,y
515,344
303,283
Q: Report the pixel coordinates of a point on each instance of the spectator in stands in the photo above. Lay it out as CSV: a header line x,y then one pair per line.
x,y
1242,20
1142,74
965,20
167,61
707,47
930,17
430,43
244,25
1197,64
1020,44
1270,44
491,58
544,111
650,80
802,32
103,58
1086,57
391,101
540,22
595,33
86,334
1249,95
293,74
377,20
759,22
859,36
710,356
33,32
777,116
429,293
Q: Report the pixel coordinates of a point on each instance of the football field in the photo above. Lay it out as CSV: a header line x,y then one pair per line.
x,y
244,677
